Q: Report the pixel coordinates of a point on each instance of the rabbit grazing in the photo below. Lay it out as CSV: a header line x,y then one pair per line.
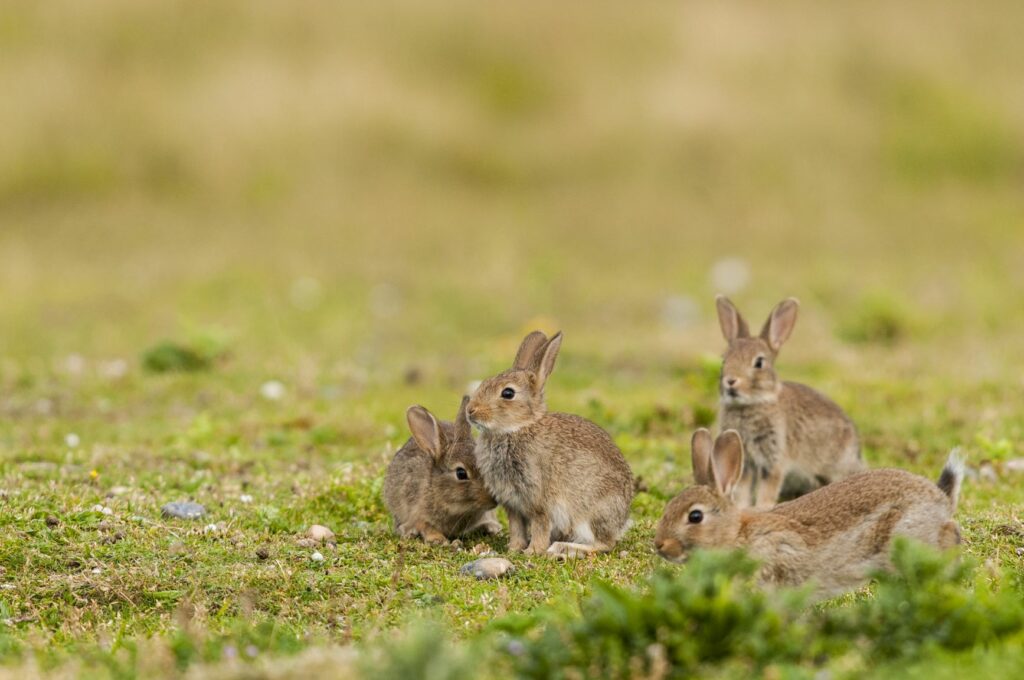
x,y
560,477
788,428
835,536
432,487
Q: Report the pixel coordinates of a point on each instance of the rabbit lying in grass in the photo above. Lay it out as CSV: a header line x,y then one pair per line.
x,y
433,487
835,536
560,477
788,428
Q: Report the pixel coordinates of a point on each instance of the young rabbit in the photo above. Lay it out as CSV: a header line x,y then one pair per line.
x,y
433,487
789,428
560,477
835,536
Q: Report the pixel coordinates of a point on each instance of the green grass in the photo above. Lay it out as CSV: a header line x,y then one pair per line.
x,y
371,204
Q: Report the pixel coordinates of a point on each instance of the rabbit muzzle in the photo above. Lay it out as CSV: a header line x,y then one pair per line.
x,y
671,550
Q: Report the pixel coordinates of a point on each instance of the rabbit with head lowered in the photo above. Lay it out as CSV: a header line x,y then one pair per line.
x,y
433,487
835,536
788,429
562,480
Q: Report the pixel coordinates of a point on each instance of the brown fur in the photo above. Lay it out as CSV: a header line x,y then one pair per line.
x,y
788,429
835,536
560,477
422,489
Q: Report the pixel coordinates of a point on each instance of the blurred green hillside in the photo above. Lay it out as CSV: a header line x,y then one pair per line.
x,y
441,173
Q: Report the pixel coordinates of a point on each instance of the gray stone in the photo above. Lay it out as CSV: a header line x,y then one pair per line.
x,y
187,510
488,568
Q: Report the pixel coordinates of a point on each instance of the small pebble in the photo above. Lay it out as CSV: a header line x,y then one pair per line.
x,y
186,510
262,553
317,557
97,570
305,543
623,553
103,509
1019,551
487,568
320,533
245,498
210,528
52,521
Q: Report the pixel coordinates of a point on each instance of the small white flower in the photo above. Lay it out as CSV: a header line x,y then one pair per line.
x,y
317,557
72,440
210,528
245,498
97,570
102,509
272,390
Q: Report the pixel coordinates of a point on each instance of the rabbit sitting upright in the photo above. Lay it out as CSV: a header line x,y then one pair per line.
x,y
787,428
835,536
565,485
433,487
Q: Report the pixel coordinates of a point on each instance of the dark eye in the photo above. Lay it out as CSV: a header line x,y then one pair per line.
x,y
508,393
695,516
759,362
460,473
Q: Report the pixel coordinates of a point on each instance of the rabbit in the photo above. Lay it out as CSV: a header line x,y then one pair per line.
x,y
433,487
562,480
835,536
789,428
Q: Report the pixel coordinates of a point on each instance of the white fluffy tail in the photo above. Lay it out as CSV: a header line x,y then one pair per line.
x,y
952,476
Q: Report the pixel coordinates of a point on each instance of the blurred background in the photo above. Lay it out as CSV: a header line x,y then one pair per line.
x,y
379,189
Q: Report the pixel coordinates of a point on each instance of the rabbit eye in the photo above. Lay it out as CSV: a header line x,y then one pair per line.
x,y
759,362
461,474
695,516
508,393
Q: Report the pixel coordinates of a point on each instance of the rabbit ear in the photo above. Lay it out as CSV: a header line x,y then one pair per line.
x,y
727,461
780,323
525,357
700,453
462,428
733,325
425,430
547,359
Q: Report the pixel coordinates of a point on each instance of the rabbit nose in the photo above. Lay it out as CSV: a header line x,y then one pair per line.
x,y
669,548
471,411
731,382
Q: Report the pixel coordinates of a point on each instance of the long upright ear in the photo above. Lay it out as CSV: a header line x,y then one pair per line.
x,y
780,323
525,357
727,461
547,359
425,430
729,318
462,428
700,453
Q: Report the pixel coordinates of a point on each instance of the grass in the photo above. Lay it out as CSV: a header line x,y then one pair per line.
x,y
371,204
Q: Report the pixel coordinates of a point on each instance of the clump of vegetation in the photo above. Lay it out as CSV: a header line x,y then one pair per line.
x,y
172,357
876,319
711,616
200,353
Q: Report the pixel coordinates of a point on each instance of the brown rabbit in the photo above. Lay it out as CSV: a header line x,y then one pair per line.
x,y
433,487
835,536
788,428
560,477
